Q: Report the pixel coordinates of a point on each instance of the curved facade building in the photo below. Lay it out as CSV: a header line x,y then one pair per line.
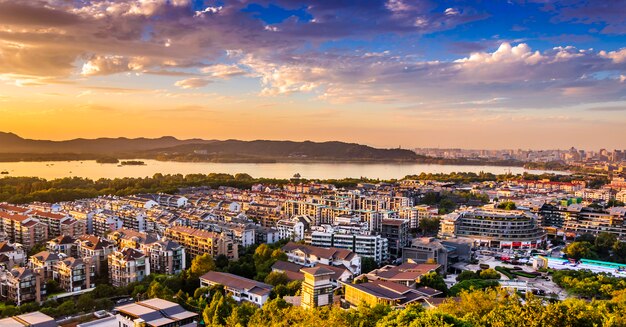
x,y
494,228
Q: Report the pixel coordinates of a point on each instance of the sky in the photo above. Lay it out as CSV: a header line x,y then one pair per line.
x,y
490,74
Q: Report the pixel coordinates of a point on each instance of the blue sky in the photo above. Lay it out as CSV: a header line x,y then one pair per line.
x,y
492,74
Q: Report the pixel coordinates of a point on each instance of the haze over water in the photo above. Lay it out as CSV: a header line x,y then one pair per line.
x,y
93,170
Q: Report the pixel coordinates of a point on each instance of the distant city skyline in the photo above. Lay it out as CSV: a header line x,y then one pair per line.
x,y
387,73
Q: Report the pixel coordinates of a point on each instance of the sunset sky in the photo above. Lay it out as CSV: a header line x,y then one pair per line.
x,y
483,74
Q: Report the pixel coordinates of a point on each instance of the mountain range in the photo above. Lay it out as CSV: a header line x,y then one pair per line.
x,y
14,147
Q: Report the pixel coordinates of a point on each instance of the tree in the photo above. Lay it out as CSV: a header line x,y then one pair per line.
x,y
434,280
507,205
579,250
604,242
430,225
467,275
619,251
85,303
276,278
489,274
368,264
200,265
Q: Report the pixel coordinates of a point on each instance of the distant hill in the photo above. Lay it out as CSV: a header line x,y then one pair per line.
x,y
169,148
11,143
263,150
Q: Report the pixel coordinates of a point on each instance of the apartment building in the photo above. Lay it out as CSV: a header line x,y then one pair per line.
x,y
23,229
580,220
75,274
98,248
44,261
198,242
21,285
105,222
292,228
166,257
63,244
396,231
52,220
127,266
11,254
72,227
365,245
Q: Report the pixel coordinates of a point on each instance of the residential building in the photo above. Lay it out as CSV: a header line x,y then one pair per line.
x,y
31,319
21,285
380,292
154,313
75,274
407,274
45,261
239,288
396,231
127,266
91,246
166,257
63,244
317,290
292,228
198,242
309,256
11,254
371,246
580,220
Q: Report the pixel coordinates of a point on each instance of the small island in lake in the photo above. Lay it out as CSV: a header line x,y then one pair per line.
x,y
107,160
133,163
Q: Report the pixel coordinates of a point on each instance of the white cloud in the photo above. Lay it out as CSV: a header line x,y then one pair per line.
x,y
223,71
192,83
106,65
451,12
505,54
618,57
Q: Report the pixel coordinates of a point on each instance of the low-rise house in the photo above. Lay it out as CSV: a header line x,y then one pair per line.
x,y
292,271
380,292
31,319
317,289
239,288
308,255
155,313
407,274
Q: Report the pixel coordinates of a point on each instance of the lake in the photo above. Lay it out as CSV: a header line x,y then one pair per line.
x,y
91,169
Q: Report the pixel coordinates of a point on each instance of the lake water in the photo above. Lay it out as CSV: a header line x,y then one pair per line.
x,y
93,170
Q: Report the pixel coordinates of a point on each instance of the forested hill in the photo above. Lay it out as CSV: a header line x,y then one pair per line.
x,y
285,150
11,143
14,148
